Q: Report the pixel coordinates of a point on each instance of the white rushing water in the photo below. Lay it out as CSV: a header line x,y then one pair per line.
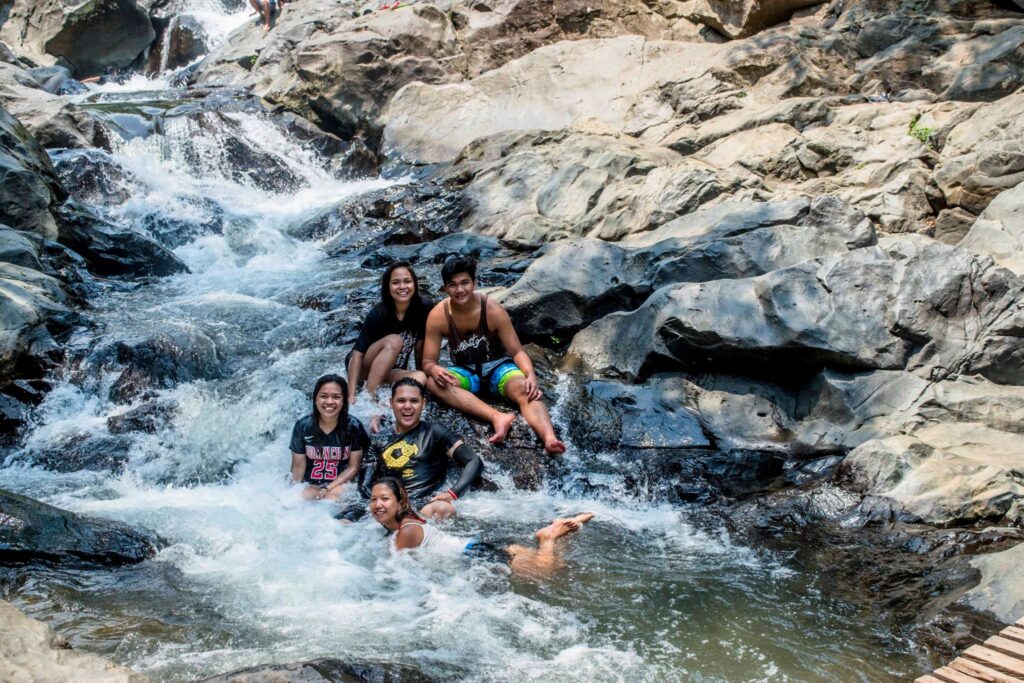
x,y
252,574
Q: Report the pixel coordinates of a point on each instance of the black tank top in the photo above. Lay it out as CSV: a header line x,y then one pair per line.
x,y
478,347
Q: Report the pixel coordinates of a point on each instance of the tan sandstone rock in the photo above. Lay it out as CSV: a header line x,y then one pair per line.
x,y
549,89
30,652
999,231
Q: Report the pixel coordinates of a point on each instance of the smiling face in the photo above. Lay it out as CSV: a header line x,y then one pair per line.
x,y
329,401
401,285
460,288
384,505
407,404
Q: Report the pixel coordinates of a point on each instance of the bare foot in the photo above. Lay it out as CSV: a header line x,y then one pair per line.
x,y
554,446
501,423
563,526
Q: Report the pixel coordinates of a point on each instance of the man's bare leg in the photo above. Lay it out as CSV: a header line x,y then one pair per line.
x,y
457,397
546,558
536,415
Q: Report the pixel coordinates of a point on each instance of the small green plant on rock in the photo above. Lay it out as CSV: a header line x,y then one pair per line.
x,y
923,134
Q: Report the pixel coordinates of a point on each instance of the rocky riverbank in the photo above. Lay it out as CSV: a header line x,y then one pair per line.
x,y
779,244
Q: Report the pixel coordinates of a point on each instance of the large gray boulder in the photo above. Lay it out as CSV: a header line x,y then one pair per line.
x,y
984,155
533,187
999,231
87,35
30,303
28,183
908,304
53,121
337,71
575,282
1001,590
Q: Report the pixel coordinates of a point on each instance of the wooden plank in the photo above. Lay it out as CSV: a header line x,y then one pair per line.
x,y
1013,633
1020,623
929,679
952,674
1006,646
996,660
982,672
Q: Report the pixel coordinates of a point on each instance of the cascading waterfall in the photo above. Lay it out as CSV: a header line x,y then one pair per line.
x,y
251,574
165,45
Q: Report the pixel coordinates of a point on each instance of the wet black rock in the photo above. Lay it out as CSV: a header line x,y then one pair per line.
x,y
77,452
180,40
28,184
609,415
17,399
347,160
207,218
403,214
322,671
114,250
91,176
159,360
460,243
31,531
148,418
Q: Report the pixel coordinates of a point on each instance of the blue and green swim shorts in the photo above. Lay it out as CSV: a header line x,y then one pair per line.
x,y
494,376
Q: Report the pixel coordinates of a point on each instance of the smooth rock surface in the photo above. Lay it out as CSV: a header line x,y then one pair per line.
x,y
906,304
551,88
999,230
1001,591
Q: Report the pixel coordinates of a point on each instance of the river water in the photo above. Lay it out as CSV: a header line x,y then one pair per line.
x,y
251,574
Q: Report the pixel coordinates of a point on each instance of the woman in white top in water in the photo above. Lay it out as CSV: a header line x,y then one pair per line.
x,y
389,505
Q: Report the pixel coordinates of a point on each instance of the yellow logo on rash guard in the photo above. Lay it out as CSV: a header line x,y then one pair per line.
x,y
399,454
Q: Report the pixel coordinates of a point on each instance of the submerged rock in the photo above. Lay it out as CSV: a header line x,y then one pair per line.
x,y
322,671
31,531
160,359
111,249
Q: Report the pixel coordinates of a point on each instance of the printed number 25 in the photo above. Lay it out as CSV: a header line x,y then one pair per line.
x,y
324,469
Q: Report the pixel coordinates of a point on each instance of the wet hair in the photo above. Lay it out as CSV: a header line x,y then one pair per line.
x,y
456,265
398,491
318,435
408,382
415,304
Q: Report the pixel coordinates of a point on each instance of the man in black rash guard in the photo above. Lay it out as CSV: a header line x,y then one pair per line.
x,y
418,455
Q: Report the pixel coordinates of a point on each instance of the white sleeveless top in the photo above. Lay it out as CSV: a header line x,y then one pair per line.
x,y
434,540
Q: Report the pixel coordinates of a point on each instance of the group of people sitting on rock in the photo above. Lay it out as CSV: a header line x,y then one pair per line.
x,y
405,481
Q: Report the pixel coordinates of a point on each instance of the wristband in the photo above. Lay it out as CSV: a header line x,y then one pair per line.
x,y
454,497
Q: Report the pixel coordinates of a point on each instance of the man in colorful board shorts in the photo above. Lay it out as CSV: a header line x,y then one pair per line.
x,y
486,357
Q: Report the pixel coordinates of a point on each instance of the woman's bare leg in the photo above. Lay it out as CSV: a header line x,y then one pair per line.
x,y
546,558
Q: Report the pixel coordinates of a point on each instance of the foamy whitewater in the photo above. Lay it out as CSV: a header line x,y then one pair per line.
x,y
251,574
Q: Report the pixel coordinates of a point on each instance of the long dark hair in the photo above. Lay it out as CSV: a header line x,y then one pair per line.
x,y
318,435
405,508
415,304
